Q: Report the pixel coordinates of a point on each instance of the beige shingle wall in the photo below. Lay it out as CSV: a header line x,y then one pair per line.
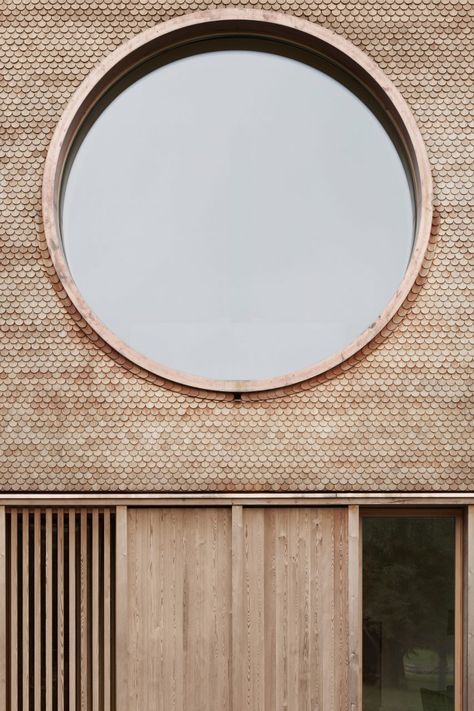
x,y
75,417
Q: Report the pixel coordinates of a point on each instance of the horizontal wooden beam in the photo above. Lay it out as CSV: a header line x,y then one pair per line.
x,y
245,499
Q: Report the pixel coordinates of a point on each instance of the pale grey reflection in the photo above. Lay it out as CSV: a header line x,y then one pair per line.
x,y
237,215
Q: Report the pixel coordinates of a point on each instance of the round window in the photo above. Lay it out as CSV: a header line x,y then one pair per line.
x,y
237,201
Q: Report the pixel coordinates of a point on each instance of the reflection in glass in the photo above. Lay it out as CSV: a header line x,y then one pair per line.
x,y
408,613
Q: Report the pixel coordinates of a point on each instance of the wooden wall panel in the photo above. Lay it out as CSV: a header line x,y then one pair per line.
x,y
121,607
84,626
355,608
233,608
25,618
282,573
179,575
293,636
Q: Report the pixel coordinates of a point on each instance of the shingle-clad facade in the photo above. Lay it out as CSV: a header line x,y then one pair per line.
x,y
78,417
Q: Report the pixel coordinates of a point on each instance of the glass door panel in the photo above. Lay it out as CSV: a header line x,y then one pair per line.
x,y
409,612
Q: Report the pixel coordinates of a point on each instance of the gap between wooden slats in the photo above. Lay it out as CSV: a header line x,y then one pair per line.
x,y
49,610
95,667
25,621
107,612
14,646
58,614
37,608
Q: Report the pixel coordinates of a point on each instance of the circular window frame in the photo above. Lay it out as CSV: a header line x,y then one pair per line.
x,y
255,24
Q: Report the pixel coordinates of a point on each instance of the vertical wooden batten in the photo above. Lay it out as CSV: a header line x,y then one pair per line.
x,y
72,608
84,607
14,610
469,611
3,611
121,609
60,611
49,610
458,614
95,667
355,608
107,613
238,655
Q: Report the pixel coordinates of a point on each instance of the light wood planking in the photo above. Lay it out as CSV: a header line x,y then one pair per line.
x,y
14,610
3,611
342,613
238,637
277,684
121,610
25,532
107,615
137,608
72,609
38,609
179,609
60,610
355,609
295,610
291,578
284,581
270,584
253,610
316,605
49,610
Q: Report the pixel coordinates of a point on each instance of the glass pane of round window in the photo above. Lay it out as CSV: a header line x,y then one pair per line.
x,y
236,214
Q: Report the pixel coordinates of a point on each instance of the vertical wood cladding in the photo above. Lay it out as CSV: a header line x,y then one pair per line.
x,y
291,640
60,614
245,610
179,582
76,417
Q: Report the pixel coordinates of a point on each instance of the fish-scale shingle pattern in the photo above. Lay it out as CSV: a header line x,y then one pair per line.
x,y
77,418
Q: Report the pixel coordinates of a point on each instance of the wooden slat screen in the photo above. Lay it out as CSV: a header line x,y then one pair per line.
x,y
60,564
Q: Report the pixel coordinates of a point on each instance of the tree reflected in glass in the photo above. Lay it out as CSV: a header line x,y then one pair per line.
x,y
408,613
